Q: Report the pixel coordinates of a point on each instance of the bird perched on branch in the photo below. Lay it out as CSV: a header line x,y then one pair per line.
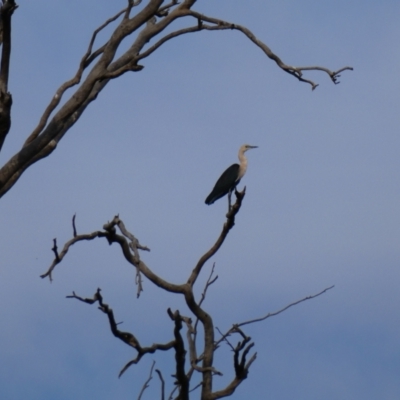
x,y
228,181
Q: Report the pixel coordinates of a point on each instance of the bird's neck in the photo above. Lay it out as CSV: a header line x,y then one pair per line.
x,y
243,165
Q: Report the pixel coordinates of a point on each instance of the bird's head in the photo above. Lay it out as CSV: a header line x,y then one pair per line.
x,y
246,147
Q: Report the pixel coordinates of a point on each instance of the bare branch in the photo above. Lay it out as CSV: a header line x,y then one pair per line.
x,y
195,387
192,346
162,384
73,225
59,257
131,4
134,245
146,384
11,175
284,308
172,392
230,222
209,282
127,247
224,337
55,250
166,38
6,11
241,367
164,10
85,62
219,24
85,59
193,334
180,356
126,337
138,282
96,297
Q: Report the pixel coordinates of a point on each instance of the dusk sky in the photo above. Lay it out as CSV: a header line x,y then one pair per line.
x,y
322,205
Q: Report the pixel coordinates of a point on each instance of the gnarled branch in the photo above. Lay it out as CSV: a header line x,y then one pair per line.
x,y
126,337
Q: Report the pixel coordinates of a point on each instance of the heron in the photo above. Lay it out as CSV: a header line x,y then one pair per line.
x,y
228,181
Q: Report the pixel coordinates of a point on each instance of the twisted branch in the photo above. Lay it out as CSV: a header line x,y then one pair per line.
x,y
127,337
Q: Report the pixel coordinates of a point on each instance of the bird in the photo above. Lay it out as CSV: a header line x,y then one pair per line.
x,y
228,181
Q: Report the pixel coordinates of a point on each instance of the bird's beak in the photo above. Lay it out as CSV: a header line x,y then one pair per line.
x,y
253,147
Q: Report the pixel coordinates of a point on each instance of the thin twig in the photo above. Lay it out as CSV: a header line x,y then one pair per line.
x,y
73,225
146,384
55,250
172,392
209,282
284,308
196,387
225,338
162,384
236,327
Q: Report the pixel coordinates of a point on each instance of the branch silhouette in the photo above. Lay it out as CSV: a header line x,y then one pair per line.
x,y
115,231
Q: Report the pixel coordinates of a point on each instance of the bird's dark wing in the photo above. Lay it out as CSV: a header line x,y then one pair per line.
x,y
226,182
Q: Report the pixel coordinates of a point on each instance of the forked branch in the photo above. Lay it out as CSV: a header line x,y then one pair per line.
x,y
110,234
60,256
146,384
219,24
126,337
236,327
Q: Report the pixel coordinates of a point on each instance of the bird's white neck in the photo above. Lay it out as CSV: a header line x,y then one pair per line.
x,y
243,164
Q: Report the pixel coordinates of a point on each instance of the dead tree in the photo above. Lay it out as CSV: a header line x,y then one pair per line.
x,y
145,29
192,359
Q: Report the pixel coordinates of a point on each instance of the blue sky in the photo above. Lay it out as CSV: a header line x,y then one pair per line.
x,y
321,209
